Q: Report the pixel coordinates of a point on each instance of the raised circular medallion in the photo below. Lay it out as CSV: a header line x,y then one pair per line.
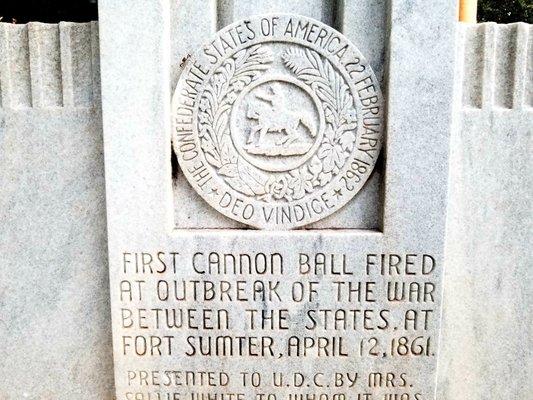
x,y
278,121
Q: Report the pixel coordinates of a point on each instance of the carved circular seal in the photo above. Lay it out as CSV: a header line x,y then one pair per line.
x,y
277,121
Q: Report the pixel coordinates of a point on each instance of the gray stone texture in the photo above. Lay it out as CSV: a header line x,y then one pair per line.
x,y
486,343
139,191
55,322
54,300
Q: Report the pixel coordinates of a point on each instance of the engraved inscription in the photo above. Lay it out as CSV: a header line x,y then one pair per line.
x,y
277,325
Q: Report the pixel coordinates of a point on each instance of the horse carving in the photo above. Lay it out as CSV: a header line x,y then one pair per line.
x,y
273,116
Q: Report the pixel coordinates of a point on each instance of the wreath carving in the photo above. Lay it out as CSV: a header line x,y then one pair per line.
x,y
338,140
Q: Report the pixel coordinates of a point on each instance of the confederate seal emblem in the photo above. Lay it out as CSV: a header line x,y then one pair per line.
x,y
277,122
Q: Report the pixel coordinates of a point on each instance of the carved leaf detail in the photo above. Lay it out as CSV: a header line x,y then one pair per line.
x,y
253,177
229,170
212,160
338,105
347,140
239,185
228,80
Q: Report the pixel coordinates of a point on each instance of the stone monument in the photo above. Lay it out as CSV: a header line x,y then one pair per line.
x,y
332,287
276,125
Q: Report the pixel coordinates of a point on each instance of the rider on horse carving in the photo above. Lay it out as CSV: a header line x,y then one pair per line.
x,y
274,116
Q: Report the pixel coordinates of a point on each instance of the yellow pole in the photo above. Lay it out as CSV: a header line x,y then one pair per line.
x,y
468,11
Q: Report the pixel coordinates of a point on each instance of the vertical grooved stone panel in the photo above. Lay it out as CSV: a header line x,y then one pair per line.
x,y
76,64
473,57
15,66
488,70
505,66
496,70
478,66
520,66
459,82
95,65
529,68
4,72
45,65
49,65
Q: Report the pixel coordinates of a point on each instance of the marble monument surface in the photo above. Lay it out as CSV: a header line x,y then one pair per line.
x,y
54,306
276,125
